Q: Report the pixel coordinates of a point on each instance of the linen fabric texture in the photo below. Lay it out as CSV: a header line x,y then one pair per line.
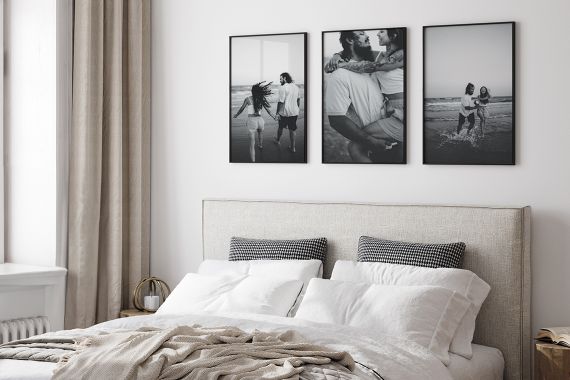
x,y
185,352
417,254
265,249
462,281
426,315
108,237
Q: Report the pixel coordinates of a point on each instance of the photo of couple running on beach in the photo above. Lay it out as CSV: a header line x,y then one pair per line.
x,y
470,104
267,97
468,94
364,96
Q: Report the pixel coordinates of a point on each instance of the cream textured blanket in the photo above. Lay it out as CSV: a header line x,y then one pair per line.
x,y
184,352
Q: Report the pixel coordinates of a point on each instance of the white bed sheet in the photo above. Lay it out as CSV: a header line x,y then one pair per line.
x,y
390,356
487,363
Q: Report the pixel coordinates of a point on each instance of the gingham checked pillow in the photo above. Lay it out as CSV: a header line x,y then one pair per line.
x,y
421,255
264,249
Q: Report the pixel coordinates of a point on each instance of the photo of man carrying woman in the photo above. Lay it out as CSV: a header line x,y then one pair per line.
x,y
364,96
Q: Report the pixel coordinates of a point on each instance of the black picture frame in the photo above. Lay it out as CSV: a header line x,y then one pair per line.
x,y
336,147
263,63
444,143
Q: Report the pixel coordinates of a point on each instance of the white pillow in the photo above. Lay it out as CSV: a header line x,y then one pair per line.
x,y
232,293
427,315
462,281
302,270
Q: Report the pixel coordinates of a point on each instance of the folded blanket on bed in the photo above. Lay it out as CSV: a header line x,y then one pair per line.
x,y
184,352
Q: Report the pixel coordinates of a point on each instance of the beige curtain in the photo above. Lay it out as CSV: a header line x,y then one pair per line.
x,y
109,159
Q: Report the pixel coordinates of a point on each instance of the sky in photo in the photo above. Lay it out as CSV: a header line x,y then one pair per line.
x,y
457,55
264,58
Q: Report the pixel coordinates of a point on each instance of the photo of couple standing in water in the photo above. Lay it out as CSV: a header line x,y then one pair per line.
x,y
267,98
364,96
469,94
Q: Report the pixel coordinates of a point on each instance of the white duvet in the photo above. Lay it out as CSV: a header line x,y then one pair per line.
x,y
391,357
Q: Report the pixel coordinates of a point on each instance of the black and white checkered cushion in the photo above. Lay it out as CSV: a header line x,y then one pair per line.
x,y
421,255
256,249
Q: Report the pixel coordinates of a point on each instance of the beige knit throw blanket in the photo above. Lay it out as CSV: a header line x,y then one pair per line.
x,y
184,352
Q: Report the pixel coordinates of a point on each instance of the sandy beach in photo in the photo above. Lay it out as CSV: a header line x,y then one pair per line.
x,y
271,152
444,145
335,145
335,148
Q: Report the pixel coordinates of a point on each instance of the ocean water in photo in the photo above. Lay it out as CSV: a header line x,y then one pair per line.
x,y
443,145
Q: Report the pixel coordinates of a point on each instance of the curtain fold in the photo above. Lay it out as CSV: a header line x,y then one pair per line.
x,y
109,168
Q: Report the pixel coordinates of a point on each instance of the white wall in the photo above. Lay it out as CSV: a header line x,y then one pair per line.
x,y
190,126
30,131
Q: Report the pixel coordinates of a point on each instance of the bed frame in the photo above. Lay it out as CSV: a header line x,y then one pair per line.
x,y
497,239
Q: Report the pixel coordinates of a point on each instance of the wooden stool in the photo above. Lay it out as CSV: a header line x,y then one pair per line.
x,y
551,361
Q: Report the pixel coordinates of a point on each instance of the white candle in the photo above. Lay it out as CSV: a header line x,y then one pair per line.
x,y
151,302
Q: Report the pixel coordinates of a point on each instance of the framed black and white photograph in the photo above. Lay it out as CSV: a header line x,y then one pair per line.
x,y
469,94
364,96
268,98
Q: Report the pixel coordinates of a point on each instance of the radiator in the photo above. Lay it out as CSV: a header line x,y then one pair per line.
x,y
23,328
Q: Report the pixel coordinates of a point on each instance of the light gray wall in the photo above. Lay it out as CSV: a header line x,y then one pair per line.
x,y
190,69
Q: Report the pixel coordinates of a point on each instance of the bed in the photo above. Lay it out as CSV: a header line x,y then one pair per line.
x,y
498,250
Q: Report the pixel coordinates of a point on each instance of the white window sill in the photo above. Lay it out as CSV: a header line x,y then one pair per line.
x,y
19,274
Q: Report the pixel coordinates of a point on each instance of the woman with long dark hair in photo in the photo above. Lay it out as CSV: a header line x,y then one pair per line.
x,y
482,111
255,123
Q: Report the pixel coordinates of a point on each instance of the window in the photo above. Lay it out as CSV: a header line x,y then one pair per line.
x,y
36,96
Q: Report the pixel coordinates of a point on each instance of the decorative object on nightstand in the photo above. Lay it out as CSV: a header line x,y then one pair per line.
x,y
552,354
153,291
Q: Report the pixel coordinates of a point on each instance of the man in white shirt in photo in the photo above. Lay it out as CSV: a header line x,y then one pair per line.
x,y
467,110
288,109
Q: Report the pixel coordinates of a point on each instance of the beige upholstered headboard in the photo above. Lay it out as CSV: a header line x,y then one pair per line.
x,y
497,239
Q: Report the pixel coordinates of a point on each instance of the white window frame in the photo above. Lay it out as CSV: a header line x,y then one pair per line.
x,y
64,15
2,131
